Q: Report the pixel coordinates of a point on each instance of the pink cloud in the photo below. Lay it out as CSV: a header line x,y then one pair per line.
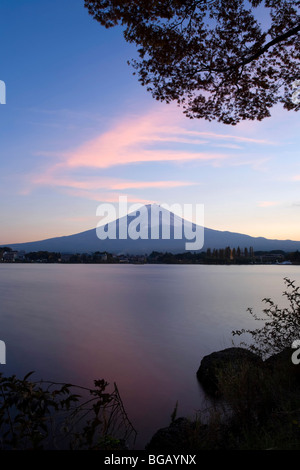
x,y
102,196
151,184
52,178
150,137
268,203
132,141
238,138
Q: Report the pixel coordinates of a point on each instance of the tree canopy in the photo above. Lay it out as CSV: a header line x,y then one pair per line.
x,y
224,60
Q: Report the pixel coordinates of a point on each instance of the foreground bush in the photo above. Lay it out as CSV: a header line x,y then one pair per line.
x,y
281,326
260,406
49,415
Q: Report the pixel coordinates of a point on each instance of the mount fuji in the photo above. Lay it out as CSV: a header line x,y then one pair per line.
x,y
165,225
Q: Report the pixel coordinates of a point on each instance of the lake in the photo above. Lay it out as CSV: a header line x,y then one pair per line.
x,y
145,327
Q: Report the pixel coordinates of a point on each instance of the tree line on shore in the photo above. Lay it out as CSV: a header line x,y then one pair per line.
x,y
226,255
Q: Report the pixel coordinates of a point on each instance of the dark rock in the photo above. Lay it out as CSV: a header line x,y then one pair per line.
x,y
178,437
282,363
211,364
281,359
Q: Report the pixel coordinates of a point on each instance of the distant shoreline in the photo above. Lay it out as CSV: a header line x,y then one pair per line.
x,y
227,256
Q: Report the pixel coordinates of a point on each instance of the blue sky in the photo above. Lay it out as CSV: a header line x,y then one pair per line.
x,y
78,130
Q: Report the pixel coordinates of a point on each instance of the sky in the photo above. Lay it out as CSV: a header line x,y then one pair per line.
x,y
78,130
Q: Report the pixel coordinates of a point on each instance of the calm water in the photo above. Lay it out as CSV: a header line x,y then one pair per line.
x,y
144,327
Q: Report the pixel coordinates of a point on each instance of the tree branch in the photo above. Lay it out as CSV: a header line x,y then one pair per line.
x,y
261,51
267,46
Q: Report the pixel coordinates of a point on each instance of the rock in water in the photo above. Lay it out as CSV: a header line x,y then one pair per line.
x,y
234,357
178,437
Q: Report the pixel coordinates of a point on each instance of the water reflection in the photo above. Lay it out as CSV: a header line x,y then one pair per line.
x,y
145,327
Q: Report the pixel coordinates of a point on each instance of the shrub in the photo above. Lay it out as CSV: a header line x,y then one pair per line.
x,y
281,325
49,415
